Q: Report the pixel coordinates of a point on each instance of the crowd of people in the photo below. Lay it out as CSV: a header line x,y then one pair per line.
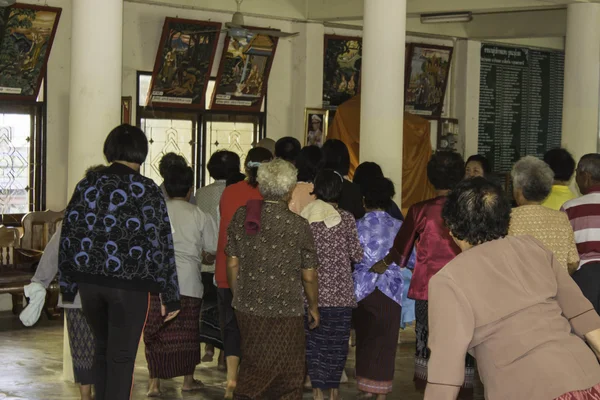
x,y
276,265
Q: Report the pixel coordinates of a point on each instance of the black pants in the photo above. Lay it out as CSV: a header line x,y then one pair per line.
x,y
588,280
117,318
229,326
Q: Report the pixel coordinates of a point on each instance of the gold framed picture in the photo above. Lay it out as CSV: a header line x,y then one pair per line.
x,y
316,122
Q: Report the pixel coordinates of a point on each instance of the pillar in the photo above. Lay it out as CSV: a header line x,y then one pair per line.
x,y
95,94
382,86
582,79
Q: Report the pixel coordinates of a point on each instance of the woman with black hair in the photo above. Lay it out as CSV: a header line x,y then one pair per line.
x,y
509,302
116,247
337,158
234,197
424,229
477,166
379,295
167,161
307,163
221,166
364,174
337,245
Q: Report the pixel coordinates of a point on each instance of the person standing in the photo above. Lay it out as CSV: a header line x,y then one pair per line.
x,y
287,148
234,197
379,293
336,241
507,300
166,162
532,181
477,166
270,257
116,247
425,230
221,165
563,165
173,348
307,162
584,215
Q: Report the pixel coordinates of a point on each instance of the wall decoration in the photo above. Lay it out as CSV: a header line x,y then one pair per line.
x,y
447,135
26,43
427,79
183,63
316,122
244,72
341,69
126,110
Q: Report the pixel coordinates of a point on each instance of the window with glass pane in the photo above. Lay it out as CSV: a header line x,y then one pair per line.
x,y
166,136
15,175
233,136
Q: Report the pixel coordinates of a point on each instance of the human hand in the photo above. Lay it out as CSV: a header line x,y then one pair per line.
x,y
314,319
207,258
169,316
379,268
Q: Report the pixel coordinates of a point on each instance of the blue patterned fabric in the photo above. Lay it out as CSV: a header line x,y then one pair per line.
x,y
376,232
117,233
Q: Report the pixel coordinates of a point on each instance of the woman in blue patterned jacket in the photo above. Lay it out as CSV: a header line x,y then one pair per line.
x,y
116,247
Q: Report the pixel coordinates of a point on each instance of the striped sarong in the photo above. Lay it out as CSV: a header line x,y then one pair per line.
x,y
327,347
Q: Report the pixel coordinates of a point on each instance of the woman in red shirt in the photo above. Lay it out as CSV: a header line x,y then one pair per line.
x,y
234,197
424,228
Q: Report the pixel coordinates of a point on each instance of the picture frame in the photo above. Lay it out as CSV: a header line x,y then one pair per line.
x,y
316,126
25,49
427,71
342,65
183,63
126,103
244,71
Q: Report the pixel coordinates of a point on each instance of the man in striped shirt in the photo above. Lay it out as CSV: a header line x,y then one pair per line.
x,y
584,214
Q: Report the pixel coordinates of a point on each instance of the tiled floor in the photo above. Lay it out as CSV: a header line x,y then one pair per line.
x,y
31,368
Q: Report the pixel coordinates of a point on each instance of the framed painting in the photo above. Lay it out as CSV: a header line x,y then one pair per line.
x,y
316,123
427,72
25,46
244,72
342,63
183,63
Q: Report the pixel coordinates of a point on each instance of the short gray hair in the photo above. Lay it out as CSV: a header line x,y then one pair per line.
x,y
590,163
276,179
534,177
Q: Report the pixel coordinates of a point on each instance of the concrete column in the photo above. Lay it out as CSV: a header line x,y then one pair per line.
x,y
95,96
382,86
582,79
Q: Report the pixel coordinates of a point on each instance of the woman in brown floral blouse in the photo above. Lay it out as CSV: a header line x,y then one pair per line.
x,y
337,244
270,255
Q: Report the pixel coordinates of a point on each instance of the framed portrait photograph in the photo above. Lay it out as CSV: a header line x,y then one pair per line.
x,y
244,72
26,38
342,64
183,63
316,122
427,72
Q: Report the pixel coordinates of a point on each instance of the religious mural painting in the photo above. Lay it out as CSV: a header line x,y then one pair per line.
x,y
183,63
27,37
244,72
341,69
427,79
316,122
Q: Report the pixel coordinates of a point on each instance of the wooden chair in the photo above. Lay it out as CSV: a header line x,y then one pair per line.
x,y
38,228
12,277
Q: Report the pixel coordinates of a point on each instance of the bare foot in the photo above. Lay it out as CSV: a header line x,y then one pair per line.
x,y
190,384
364,396
154,388
381,396
86,392
222,365
209,353
230,388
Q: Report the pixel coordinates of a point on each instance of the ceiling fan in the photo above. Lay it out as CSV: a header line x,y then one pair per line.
x,y
236,28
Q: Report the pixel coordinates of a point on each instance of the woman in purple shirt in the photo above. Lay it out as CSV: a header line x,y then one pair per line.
x,y
379,295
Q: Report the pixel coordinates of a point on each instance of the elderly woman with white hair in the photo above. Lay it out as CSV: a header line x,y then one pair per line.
x,y
532,183
270,254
